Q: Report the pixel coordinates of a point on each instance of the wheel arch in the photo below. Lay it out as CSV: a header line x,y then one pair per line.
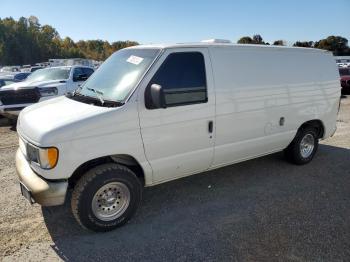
x,y
122,159
317,124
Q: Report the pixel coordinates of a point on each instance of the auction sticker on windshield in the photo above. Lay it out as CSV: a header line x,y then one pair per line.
x,y
134,59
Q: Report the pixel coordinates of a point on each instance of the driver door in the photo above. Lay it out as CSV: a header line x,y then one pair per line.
x,y
179,139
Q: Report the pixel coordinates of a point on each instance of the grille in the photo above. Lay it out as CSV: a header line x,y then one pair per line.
x,y
21,96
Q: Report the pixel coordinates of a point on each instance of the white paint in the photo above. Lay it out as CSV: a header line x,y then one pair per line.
x,y
248,91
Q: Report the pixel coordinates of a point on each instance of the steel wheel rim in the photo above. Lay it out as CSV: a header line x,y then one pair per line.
x,y
307,145
111,201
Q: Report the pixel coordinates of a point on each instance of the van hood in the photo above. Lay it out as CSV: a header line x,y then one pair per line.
x,y
31,84
54,120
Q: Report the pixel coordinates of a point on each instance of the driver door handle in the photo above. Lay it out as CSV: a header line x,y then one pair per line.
x,y
210,126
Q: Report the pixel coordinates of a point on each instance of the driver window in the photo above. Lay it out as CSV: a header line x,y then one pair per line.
x,y
182,77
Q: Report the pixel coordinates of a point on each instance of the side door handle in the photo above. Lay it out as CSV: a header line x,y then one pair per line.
x,y
210,126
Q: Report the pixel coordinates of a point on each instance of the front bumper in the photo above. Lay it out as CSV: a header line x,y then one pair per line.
x,y
43,192
11,111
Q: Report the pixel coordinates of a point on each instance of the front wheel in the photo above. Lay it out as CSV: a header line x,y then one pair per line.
x,y
106,197
304,146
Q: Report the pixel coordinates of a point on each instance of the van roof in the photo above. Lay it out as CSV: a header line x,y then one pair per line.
x,y
227,45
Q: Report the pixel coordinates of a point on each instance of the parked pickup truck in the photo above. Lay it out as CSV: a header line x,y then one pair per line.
x,y
41,85
6,80
345,80
155,113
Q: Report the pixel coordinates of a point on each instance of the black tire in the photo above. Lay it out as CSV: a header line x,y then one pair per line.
x,y
90,183
293,152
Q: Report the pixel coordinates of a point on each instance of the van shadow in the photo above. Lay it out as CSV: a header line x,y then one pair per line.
x,y
4,122
256,210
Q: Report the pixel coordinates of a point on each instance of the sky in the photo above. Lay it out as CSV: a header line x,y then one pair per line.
x,y
155,21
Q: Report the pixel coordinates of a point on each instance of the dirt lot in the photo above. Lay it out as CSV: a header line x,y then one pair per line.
x,y
263,209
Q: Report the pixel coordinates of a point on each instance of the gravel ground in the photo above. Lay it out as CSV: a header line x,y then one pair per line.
x,y
264,209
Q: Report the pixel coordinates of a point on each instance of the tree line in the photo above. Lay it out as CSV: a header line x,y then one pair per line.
x,y
336,44
26,41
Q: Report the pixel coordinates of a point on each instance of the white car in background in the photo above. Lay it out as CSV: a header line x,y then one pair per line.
x,y
10,69
41,85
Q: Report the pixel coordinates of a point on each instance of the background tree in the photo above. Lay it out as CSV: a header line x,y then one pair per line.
x,y
245,40
26,41
304,44
337,44
256,39
279,42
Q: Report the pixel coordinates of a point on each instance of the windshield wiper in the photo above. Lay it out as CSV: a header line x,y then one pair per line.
x,y
104,102
98,93
113,103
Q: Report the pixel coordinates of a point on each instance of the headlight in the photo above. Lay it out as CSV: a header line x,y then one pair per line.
x,y
48,91
48,157
45,157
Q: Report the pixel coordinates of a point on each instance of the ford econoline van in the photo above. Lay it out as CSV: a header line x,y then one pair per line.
x,y
155,113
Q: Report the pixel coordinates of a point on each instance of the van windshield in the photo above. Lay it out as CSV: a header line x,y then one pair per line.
x,y
49,74
119,74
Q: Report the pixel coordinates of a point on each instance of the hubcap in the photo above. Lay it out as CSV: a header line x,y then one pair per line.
x,y
307,145
111,201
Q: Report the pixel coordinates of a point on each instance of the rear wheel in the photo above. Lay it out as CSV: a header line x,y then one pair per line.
x,y
304,146
106,197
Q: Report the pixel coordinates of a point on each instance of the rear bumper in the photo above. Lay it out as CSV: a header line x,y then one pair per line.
x,y
43,192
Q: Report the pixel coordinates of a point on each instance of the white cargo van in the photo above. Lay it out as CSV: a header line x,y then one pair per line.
x,y
41,85
151,114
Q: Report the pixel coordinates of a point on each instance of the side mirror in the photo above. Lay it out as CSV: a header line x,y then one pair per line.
x,y
157,96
